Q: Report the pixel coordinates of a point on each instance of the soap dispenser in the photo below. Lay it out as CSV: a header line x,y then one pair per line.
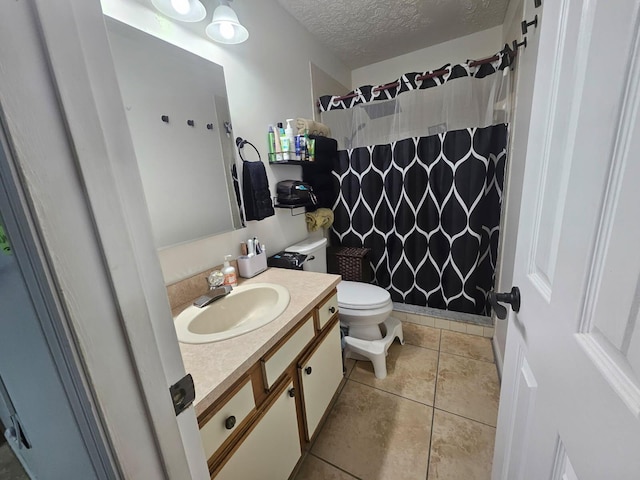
x,y
229,272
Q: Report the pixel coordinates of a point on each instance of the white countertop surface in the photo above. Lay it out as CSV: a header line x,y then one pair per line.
x,y
216,366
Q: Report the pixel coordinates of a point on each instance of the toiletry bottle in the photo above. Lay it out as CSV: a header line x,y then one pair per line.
x,y
311,146
229,272
271,140
286,154
305,150
276,139
284,143
292,141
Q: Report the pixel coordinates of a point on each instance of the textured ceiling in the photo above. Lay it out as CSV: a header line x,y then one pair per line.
x,y
362,32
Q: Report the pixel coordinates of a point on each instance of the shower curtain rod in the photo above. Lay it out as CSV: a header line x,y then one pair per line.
x,y
437,73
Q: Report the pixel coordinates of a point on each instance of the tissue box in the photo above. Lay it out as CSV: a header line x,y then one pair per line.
x,y
251,266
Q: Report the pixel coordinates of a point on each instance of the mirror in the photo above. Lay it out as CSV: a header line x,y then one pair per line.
x,y
178,114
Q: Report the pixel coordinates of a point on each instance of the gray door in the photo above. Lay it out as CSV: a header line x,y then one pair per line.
x,y
43,404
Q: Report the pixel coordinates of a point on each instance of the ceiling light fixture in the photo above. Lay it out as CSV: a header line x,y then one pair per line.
x,y
225,27
183,10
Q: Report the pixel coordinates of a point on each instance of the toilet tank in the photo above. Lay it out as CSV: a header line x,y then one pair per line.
x,y
316,251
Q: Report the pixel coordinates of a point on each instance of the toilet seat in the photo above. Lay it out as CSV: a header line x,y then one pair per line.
x,y
362,296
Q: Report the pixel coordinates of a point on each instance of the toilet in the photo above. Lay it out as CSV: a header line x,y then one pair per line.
x,y
364,309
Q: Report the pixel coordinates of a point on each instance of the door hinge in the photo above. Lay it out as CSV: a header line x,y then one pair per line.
x,y
17,432
183,393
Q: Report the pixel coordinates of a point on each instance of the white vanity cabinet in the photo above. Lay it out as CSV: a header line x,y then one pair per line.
x,y
291,389
320,376
272,449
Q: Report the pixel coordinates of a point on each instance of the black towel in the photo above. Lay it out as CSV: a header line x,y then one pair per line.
x,y
318,173
326,152
255,189
236,189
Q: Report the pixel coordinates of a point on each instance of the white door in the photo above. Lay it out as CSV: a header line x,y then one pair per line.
x,y
570,401
524,80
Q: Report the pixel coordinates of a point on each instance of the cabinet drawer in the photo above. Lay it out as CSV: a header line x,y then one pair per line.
x,y
274,365
272,448
227,420
320,376
327,310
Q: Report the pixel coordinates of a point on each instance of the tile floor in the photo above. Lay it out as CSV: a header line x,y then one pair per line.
x,y
10,468
433,417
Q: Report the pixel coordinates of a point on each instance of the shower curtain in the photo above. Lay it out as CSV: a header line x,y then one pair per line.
x,y
420,181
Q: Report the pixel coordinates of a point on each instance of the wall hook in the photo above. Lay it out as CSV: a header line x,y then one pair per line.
x,y
165,118
517,45
537,3
191,123
228,127
525,25
209,126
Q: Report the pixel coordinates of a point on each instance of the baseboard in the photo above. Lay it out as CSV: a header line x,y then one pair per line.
x,y
444,314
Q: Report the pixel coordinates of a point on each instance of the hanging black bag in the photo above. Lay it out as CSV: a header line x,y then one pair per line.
x,y
295,193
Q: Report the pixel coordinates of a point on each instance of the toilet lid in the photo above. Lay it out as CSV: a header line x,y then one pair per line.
x,y
361,296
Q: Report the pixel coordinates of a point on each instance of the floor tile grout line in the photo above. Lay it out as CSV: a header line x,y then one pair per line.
x,y
334,466
422,346
466,418
392,393
433,412
466,356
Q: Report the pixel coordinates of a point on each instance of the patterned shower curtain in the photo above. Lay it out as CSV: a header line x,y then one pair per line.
x,y
429,209
428,205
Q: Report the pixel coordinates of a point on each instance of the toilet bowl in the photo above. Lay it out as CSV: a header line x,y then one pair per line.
x,y
364,310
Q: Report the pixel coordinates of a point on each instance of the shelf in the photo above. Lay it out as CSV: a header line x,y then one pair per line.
x,y
291,208
292,162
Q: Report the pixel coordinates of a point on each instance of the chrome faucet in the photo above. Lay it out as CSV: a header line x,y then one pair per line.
x,y
216,290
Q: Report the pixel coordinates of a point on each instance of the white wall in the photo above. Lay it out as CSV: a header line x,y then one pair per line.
x,y
323,84
477,45
267,80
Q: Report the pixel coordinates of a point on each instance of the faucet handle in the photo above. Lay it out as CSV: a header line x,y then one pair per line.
x,y
215,279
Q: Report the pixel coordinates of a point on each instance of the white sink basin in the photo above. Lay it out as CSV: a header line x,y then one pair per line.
x,y
246,308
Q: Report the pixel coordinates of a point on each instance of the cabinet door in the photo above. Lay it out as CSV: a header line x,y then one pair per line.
x,y
272,448
320,376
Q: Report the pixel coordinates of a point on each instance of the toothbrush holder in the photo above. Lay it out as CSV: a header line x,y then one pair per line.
x,y
251,266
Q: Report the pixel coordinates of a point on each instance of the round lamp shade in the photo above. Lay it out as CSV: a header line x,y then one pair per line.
x,y
225,27
183,10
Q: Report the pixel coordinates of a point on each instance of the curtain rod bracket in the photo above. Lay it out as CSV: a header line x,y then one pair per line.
x,y
517,45
525,25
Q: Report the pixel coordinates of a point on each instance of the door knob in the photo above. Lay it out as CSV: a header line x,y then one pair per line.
x,y
512,298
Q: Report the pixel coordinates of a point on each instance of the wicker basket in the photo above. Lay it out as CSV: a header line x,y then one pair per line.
x,y
351,263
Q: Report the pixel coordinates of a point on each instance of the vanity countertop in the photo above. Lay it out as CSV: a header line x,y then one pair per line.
x,y
216,366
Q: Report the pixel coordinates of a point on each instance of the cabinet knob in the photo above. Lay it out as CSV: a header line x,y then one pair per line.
x,y
308,370
230,422
332,309
292,392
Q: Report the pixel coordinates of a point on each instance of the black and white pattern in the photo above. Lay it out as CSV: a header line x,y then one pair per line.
x,y
429,208
409,81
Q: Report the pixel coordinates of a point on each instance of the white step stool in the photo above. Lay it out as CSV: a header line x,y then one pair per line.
x,y
374,350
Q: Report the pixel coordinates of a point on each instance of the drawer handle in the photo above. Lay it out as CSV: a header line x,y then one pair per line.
x,y
308,370
292,392
230,422
332,309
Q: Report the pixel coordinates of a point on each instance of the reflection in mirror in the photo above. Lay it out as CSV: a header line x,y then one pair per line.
x,y
171,97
